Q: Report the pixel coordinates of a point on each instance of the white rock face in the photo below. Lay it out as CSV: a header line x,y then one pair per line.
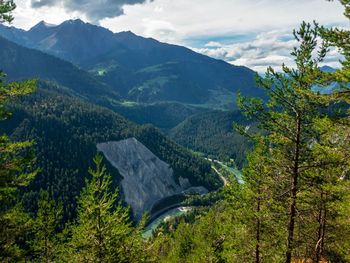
x,y
147,179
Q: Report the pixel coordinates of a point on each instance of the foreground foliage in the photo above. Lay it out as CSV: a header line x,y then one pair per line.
x,y
15,164
103,232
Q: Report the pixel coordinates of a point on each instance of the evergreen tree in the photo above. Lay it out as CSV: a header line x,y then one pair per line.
x,y
45,227
332,185
260,208
6,7
16,162
327,189
103,232
291,119
340,39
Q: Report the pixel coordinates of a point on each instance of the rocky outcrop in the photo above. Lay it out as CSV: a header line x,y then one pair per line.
x,y
146,178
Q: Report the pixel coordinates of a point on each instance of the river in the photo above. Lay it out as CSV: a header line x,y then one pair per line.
x,y
164,217
182,210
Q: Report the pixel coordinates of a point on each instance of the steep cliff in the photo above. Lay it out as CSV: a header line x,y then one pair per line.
x,y
146,179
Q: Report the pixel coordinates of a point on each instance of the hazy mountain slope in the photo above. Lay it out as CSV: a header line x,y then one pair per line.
x,y
13,34
153,71
141,69
19,63
72,40
328,69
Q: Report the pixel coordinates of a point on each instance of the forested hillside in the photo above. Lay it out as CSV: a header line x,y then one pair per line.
x,y
21,63
213,134
66,131
163,115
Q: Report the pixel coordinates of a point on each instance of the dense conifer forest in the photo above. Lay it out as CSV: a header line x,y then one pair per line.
x,y
213,134
63,127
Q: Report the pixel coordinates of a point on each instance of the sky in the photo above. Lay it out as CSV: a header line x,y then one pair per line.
x,y
253,33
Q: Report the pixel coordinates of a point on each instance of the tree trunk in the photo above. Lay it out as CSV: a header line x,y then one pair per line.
x,y
321,232
294,190
99,227
324,230
46,250
258,223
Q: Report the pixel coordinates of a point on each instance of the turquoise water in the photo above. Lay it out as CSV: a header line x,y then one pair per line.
x,y
182,210
237,174
235,171
170,214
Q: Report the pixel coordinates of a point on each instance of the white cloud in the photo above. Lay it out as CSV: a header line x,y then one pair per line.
x,y
267,23
270,21
222,17
26,16
266,49
213,44
160,28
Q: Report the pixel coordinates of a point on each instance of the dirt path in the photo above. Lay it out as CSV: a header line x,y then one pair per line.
x,y
224,180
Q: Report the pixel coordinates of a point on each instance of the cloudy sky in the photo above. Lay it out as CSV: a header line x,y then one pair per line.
x,y
254,33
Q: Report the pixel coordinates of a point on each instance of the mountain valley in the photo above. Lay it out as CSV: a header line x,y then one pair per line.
x,y
138,131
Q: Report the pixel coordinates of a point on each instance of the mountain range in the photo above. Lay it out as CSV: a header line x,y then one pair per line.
x,y
142,70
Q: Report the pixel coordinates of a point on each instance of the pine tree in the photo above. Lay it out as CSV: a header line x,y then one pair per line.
x,y
323,190
16,162
259,206
340,39
6,7
290,119
103,231
13,163
45,227
333,181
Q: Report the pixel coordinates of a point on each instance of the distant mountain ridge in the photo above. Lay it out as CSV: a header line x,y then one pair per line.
x,y
62,40
140,69
20,63
328,69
